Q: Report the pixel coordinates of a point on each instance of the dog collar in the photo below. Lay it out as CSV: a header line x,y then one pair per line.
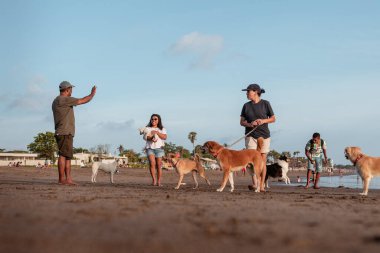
x,y
357,159
175,165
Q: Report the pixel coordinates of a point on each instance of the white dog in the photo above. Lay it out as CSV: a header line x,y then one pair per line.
x,y
283,161
146,132
111,168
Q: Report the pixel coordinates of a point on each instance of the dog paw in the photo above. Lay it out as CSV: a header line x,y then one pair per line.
x,y
176,188
219,189
363,194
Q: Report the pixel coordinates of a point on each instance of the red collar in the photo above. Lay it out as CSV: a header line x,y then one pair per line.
x,y
357,159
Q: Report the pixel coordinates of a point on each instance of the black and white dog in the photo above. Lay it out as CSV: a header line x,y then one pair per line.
x,y
278,170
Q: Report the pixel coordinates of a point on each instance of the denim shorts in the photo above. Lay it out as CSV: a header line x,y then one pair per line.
x,y
317,167
157,152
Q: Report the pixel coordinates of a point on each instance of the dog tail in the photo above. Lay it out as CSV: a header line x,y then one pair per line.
x,y
197,160
260,144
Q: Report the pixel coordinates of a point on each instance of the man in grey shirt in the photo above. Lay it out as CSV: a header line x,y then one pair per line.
x,y
64,122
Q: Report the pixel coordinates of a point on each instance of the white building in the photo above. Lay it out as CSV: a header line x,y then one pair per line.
x,y
25,159
31,159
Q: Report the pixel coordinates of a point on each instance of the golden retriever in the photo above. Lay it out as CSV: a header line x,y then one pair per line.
x,y
367,166
233,160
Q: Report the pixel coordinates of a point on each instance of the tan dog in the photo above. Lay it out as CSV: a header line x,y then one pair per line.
x,y
232,160
183,166
367,166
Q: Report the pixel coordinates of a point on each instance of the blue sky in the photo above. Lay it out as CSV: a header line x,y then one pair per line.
x,y
319,62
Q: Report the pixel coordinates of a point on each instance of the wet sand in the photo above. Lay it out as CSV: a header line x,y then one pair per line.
x,y
38,215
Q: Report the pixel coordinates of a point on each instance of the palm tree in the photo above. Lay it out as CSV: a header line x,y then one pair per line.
x,y
273,155
192,137
296,153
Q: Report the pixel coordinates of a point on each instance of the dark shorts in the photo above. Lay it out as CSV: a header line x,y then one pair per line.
x,y
65,145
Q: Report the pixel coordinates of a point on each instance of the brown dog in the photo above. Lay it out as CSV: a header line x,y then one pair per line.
x,y
183,166
232,160
367,166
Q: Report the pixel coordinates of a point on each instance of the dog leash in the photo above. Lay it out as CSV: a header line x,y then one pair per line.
x,y
228,146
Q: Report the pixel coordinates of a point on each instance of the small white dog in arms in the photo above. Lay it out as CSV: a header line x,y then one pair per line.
x,y
145,131
110,168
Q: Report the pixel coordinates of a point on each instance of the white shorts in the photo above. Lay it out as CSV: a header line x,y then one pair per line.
x,y
251,143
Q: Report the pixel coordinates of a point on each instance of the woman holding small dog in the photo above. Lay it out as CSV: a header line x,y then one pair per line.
x,y
155,148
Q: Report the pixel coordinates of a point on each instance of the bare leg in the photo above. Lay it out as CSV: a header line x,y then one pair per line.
x,y
69,180
61,169
152,168
159,170
195,179
317,176
308,178
262,180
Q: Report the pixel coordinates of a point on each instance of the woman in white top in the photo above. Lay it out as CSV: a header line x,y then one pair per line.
x,y
155,147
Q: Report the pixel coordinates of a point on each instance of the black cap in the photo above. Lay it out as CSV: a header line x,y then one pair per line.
x,y
254,87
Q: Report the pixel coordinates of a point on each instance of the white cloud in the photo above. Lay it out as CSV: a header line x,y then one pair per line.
x,y
112,125
34,98
204,47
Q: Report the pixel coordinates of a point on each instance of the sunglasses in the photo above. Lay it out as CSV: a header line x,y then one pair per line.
x,y
154,119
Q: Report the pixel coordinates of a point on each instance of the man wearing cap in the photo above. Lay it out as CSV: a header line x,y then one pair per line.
x,y
64,122
257,113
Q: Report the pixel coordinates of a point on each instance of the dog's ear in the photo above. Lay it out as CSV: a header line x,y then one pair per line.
x,y
213,146
356,151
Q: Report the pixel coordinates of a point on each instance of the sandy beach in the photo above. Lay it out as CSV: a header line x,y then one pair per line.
x,y
38,215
